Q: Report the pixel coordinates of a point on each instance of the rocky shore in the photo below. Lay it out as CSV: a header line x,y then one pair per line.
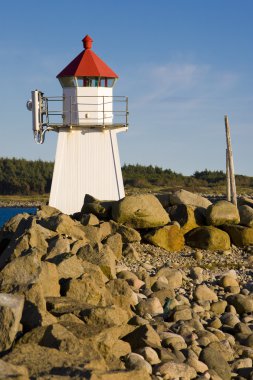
x,y
145,288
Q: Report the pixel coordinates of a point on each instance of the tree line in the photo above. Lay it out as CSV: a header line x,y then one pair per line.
x,y
26,177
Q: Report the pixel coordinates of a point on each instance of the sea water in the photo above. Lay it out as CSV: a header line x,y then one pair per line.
x,y
7,213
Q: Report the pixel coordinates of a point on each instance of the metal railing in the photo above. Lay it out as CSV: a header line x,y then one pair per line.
x,y
86,111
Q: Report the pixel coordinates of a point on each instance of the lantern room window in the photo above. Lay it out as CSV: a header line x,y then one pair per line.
x,y
87,82
95,82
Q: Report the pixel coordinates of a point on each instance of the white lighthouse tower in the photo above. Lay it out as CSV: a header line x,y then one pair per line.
x,y
87,158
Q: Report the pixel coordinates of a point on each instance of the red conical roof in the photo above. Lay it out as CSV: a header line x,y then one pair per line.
x,y
87,64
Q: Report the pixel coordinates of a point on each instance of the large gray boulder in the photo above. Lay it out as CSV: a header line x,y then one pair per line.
x,y
240,236
246,215
11,308
222,212
140,211
186,197
208,237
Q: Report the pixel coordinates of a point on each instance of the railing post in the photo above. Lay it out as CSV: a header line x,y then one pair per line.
x,y
103,111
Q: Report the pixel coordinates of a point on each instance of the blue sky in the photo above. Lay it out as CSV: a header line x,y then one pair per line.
x,y
184,64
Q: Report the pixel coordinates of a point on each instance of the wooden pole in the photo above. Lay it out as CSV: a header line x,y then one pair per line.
x,y
230,163
228,178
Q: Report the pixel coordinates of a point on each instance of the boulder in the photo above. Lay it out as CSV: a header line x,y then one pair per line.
x,y
114,242
136,374
245,201
174,370
67,266
137,361
140,211
122,294
105,316
102,209
242,303
173,276
204,293
63,224
100,256
246,215
143,336
215,361
9,371
187,216
43,361
35,311
188,198
222,212
128,234
208,237
46,211
20,273
240,236
86,289
11,308
169,237
49,280
130,253
90,219
150,306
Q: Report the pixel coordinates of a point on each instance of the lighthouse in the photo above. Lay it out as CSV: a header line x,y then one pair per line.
x,y
87,157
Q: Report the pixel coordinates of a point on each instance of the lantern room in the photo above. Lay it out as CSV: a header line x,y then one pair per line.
x,y
87,84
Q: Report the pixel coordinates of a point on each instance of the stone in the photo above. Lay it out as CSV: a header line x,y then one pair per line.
x,y
102,209
215,361
49,280
40,361
63,224
130,253
102,257
173,276
242,303
131,279
228,280
219,307
140,211
198,365
245,201
150,306
57,246
105,315
46,211
138,374
163,295
204,293
68,266
222,212
196,273
9,371
242,363
20,273
240,236
173,370
246,215
11,308
136,361
169,237
181,313
174,341
35,311
187,216
86,289
150,355
128,234
143,336
186,197
229,319
114,242
209,238
121,293
90,219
